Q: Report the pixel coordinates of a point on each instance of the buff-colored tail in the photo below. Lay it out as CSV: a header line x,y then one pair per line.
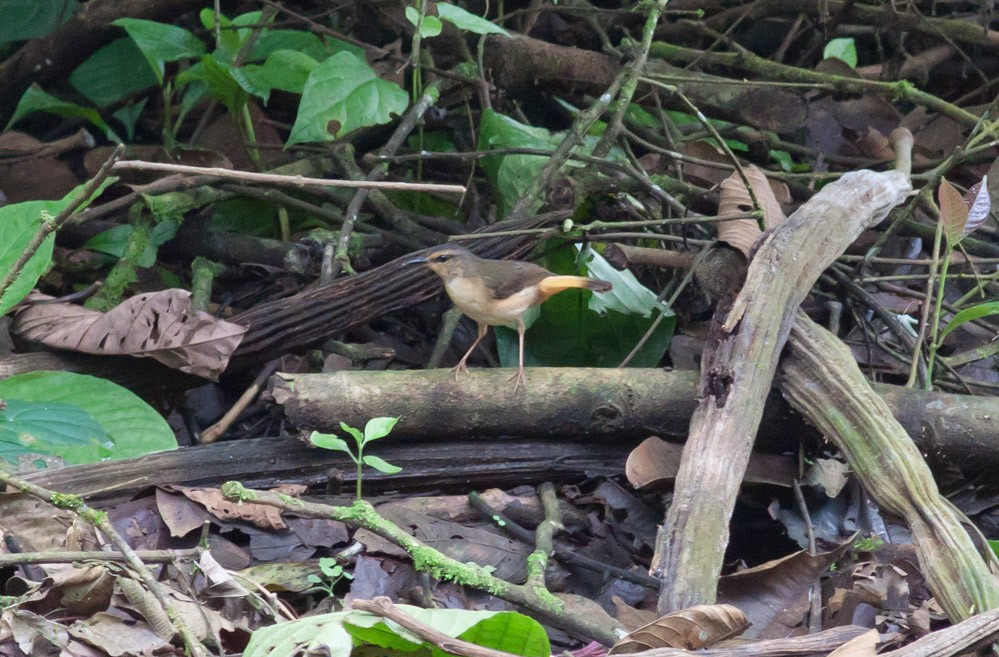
x,y
555,284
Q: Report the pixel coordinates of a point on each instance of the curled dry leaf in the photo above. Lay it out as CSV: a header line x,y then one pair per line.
x,y
691,629
979,205
655,463
735,199
159,325
865,645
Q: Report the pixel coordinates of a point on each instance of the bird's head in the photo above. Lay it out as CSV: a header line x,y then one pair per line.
x,y
447,261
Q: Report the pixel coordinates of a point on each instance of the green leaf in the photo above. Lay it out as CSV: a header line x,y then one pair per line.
x,y
970,314
114,240
380,464
230,42
287,70
322,634
345,90
431,27
29,19
506,631
842,48
129,115
330,441
953,212
356,433
36,100
19,222
112,73
412,15
217,77
299,41
511,175
467,21
48,428
378,427
578,328
132,425
161,43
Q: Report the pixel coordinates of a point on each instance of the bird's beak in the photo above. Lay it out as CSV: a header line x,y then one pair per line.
x,y
415,261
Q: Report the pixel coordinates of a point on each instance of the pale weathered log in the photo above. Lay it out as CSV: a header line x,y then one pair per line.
x,y
737,369
625,403
822,380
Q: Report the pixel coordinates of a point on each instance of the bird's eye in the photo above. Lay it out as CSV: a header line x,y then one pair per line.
x,y
442,257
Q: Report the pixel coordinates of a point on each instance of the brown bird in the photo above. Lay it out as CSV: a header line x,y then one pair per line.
x,y
498,292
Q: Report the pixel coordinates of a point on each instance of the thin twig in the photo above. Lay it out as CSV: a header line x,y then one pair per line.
x,y
291,181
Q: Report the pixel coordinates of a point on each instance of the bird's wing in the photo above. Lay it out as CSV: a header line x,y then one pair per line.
x,y
505,278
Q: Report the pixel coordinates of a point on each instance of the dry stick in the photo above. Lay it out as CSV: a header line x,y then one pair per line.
x,y
99,519
63,556
737,367
544,538
429,560
291,181
214,432
382,606
406,125
51,225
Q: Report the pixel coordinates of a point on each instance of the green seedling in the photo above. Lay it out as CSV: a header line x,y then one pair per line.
x,y
376,428
332,573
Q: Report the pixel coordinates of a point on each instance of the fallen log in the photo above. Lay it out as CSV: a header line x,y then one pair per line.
x,y
624,403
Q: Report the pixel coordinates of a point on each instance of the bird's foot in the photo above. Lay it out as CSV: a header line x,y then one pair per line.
x,y
519,378
460,368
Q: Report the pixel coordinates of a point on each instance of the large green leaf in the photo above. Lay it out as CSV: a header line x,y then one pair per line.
x,y
48,427
132,425
506,630
114,72
161,43
328,633
21,20
36,100
578,328
345,90
309,635
467,21
511,175
18,224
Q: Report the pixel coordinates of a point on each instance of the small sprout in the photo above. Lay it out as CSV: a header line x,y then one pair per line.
x,y
376,428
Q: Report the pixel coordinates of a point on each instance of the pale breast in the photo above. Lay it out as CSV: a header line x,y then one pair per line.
x,y
473,299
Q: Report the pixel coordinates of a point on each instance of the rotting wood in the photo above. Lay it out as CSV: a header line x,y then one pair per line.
x,y
302,320
821,379
625,403
738,365
266,462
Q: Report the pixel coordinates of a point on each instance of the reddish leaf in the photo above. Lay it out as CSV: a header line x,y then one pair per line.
x,y
953,212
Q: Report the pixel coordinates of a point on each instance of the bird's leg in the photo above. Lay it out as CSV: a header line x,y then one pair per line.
x,y
519,376
461,366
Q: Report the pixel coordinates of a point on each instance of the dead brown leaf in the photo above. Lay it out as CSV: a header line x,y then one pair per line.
x,y
693,628
655,462
160,325
257,514
735,199
864,645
